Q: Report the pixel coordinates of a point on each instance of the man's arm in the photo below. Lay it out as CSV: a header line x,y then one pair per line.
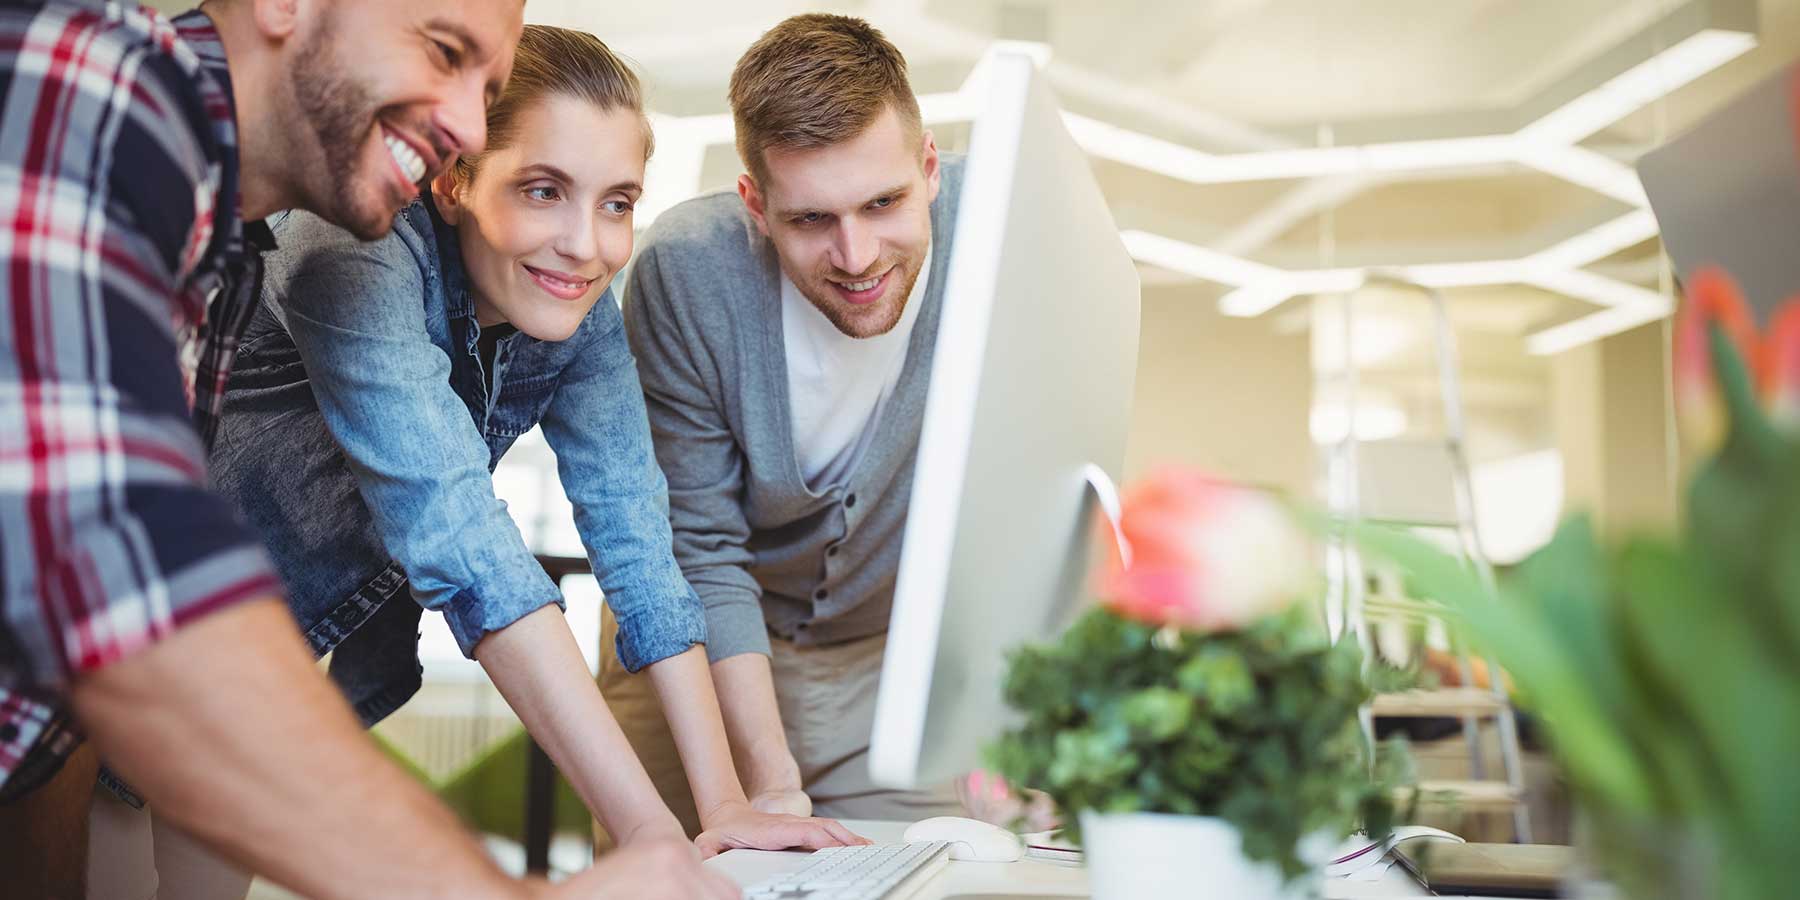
x,y
746,690
727,817
704,467
230,731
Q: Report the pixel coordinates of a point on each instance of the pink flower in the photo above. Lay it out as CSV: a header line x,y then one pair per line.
x,y
1205,555
987,797
1773,362
1781,366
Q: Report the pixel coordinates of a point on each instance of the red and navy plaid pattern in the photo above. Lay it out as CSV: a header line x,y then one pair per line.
x,y
128,277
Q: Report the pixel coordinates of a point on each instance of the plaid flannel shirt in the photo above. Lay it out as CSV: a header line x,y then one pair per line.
x,y
129,276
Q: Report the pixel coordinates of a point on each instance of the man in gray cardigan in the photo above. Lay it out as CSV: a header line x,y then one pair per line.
x,y
784,340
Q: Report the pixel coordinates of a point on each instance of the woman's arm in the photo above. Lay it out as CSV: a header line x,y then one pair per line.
x,y
357,314
540,671
597,427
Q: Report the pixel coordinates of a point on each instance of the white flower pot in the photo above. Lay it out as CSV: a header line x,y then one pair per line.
x,y
1155,856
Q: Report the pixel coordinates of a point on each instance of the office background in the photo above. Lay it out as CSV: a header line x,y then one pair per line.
x,y
1484,145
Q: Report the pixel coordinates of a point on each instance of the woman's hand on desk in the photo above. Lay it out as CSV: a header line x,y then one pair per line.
x,y
738,826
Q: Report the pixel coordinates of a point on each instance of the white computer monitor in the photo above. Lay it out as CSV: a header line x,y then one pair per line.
x,y
1031,387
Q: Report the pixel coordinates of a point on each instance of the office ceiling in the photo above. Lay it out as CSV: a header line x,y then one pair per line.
x,y
1215,83
1225,77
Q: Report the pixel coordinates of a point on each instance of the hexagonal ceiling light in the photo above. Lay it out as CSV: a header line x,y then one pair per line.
x,y
1543,134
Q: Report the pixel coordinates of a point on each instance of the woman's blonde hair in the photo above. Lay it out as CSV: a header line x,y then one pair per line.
x,y
552,61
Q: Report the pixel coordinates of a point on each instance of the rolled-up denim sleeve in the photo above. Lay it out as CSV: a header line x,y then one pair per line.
x,y
598,429
356,313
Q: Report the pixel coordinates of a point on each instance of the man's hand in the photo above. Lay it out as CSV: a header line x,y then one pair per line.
x,y
651,869
783,801
737,826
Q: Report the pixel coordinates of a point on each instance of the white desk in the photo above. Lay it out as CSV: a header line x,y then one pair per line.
x,y
1023,879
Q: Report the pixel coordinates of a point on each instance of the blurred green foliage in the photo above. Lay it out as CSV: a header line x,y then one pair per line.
x,y
1666,669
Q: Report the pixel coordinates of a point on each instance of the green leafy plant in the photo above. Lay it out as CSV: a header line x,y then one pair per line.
x,y
1200,688
1667,668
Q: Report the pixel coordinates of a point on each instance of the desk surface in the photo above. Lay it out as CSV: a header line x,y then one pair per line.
x,y
1027,877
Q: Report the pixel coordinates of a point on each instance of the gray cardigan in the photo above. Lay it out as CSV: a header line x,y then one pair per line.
x,y
766,553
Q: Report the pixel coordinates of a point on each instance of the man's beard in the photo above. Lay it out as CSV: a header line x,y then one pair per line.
x,y
839,311
339,112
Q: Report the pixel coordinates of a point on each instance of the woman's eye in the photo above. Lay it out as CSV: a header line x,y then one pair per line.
x,y
617,207
883,203
544,194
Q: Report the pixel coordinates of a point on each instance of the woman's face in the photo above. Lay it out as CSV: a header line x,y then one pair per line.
x,y
546,221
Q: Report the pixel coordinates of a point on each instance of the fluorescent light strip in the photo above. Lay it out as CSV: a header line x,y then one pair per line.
x,y
1638,86
1590,328
1584,167
1543,145
1598,289
1262,287
1187,164
1596,244
1133,148
1200,262
1250,302
1470,274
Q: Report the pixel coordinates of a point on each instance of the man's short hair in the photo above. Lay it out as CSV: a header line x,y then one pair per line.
x,y
816,80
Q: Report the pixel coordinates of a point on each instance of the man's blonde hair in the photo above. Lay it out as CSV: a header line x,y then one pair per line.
x,y
816,80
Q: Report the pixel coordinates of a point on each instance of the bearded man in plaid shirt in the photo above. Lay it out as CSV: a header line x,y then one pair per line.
x,y
137,156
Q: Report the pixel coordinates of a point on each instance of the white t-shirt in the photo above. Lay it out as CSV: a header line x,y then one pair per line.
x,y
837,384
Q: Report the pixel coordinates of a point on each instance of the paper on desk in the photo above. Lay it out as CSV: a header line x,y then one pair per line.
x,y
1375,872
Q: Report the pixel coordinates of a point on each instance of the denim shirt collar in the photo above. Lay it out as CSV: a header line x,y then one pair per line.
x,y
459,303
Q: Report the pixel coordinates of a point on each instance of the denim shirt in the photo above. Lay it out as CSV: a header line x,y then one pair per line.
x,y
360,436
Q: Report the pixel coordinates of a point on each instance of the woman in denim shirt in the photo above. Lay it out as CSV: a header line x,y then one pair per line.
x,y
381,382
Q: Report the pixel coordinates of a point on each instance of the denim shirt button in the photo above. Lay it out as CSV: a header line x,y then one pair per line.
x,y
820,594
831,550
850,502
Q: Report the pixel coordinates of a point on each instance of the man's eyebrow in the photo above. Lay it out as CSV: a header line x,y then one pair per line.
x,y
470,44
471,47
896,191
796,213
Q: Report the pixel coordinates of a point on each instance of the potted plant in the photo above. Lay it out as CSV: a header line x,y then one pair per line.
x,y
1198,724
1666,668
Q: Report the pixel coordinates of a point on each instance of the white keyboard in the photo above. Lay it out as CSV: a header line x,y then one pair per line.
x,y
877,872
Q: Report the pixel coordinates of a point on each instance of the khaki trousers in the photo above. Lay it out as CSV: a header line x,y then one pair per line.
x,y
827,701
134,854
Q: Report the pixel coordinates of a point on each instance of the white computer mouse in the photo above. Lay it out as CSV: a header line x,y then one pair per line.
x,y
969,839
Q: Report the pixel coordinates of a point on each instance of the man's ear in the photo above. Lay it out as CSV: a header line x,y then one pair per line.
x,y
444,192
929,162
753,202
278,20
